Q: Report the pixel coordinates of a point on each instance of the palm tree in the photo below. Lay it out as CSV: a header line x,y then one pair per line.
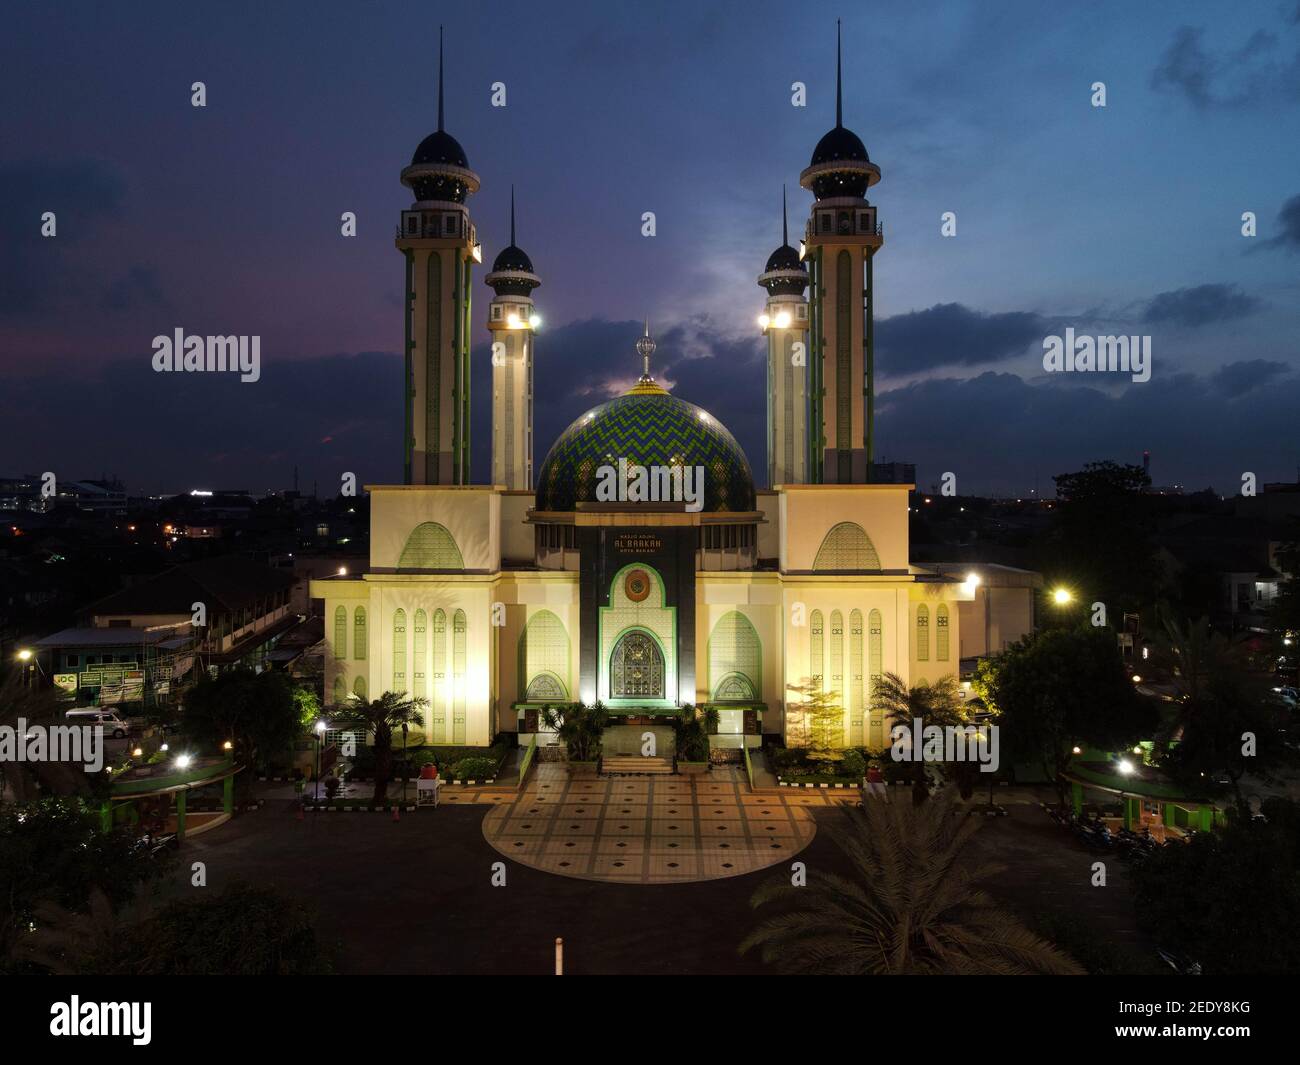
x,y
910,906
580,728
378,718
66,942
932,704
1197,660
37,707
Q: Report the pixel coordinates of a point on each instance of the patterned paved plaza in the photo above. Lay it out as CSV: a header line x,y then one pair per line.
x,y
650,830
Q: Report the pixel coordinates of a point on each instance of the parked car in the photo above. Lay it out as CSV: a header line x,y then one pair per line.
x,y
115,726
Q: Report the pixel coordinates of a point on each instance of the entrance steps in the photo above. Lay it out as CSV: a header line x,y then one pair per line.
x,y
634,763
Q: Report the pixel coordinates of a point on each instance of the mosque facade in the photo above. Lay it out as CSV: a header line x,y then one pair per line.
x,y
637,565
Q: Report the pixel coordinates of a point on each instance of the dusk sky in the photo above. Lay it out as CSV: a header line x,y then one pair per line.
x,y
226,219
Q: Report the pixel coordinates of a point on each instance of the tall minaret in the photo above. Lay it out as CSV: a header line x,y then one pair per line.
x,y
511,321
439,243
840,241
785,321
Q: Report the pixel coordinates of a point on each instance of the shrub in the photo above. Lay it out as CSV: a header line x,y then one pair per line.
x,y
853,765
473,768
244,931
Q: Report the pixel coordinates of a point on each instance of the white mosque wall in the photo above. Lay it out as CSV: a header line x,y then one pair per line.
x,y
471,514
809,512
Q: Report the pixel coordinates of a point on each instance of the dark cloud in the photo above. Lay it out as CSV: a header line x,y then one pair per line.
x,y
950,334
35,270
1199,305
139,287
342,413
1001,434
1238,378
169,431
1228,78
1288,225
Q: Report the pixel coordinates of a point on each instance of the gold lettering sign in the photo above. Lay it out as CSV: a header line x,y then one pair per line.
x,y
637,543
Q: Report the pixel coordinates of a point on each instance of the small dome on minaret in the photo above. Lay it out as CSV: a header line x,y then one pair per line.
x,y
439,169
840,165
512,269
785,273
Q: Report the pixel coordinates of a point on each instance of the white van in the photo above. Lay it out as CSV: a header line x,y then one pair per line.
x,y
97,715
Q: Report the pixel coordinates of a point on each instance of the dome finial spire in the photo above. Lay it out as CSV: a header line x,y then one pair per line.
x,y
839,95
645,347
785,225
439,79
512,214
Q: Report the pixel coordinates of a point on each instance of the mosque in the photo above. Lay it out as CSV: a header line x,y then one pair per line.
x,y
493,601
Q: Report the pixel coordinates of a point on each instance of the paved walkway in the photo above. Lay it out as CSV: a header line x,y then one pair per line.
x,y
648,829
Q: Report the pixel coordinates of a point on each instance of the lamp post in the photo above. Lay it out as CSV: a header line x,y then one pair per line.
x,y
406,768
320,735
26,658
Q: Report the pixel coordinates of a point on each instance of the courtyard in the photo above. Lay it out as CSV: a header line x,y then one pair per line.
x,y
418,895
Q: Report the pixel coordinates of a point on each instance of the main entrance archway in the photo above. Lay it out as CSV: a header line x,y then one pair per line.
x,y
636,667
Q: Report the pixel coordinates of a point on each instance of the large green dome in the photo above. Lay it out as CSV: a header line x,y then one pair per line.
x,y
647,427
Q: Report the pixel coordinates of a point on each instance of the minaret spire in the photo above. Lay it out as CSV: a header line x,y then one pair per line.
x,y
785,226
440,79
512,215
839,95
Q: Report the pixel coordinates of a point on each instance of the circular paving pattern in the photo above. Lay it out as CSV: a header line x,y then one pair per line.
x,y
651,829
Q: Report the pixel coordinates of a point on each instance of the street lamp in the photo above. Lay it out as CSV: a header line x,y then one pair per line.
x,y
320,734
28,659
1061,596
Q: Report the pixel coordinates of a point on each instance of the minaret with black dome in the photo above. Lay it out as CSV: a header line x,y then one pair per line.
x,y
439,243
785,321
840,242
512,320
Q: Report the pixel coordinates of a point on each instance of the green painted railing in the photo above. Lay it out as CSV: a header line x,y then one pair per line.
x,y
527,763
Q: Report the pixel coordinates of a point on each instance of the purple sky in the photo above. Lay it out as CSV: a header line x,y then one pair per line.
x,y
226,220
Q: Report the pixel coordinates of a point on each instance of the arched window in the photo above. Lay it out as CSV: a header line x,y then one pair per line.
x,y
359,689
875,658
458,662
941,633
359,640
735,659
837,667
420,689
856,704
438,709
544,658
430,546
923,633
847,547
340,632
816,653
399,651
636,667
340,690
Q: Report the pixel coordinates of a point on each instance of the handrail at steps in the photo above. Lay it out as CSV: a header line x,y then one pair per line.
x,y
527,763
